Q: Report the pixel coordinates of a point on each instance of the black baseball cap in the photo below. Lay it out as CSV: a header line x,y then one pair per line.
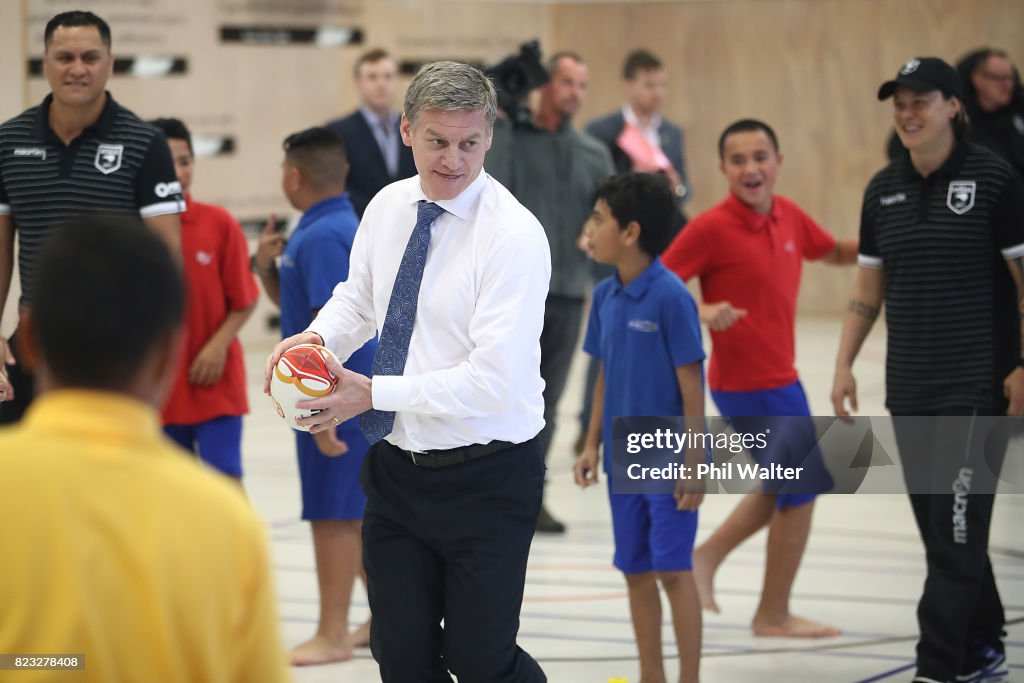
x,y
924,74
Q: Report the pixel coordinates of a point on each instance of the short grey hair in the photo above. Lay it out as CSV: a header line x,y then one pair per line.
x,y
450,86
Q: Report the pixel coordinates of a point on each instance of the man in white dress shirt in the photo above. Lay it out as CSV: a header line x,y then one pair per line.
x,y
454,487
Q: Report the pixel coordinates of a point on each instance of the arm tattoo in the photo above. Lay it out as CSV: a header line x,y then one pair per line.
x,y
863,310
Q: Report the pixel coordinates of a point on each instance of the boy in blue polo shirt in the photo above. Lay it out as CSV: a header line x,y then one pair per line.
x,y
645,332
313,261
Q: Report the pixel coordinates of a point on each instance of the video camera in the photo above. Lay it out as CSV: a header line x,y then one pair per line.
x,y
514,77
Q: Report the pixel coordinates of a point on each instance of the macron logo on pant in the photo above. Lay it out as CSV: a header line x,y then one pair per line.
x,y
961,487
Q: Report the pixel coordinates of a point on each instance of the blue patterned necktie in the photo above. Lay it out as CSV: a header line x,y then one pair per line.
x,y
393,345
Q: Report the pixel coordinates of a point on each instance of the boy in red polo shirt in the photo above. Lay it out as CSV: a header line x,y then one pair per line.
x,y
204,411
748,252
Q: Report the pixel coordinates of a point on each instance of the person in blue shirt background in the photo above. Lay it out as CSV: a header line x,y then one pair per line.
x,y
645,332
313,261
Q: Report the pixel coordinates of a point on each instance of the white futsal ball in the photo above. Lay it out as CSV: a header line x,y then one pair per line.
x,y
301,375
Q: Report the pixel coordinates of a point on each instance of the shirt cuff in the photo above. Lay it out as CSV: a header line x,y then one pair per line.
x,y
323,337
162,208
1013,252
869,261
390,392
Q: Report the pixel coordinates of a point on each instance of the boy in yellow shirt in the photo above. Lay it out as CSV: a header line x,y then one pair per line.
x,y
119,549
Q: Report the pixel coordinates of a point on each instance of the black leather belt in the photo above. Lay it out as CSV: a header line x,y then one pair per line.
x,y
452,456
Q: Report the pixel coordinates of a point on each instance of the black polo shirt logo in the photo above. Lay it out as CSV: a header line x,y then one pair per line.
x,y
960,196
164,190
37,152
108,158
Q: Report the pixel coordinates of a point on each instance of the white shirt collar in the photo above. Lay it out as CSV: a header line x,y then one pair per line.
x,y
630,116
459,206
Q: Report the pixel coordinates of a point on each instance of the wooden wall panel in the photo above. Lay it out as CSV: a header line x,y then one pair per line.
x,y
810,68
259,93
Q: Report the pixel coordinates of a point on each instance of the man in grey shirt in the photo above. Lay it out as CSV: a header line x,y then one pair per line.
x,y
553,170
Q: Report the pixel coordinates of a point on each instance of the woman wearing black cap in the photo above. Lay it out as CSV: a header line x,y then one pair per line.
x,y
939,226
993,98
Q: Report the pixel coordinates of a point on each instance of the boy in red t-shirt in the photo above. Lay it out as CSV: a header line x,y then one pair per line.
x,y
748,252
204,411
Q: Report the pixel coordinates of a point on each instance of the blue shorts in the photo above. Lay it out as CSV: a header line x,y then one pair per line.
x,y
330,486
650,534
751,412
218,442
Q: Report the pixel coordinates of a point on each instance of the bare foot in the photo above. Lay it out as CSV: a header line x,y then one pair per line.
x,y
793,627
320,650
361,636
704,576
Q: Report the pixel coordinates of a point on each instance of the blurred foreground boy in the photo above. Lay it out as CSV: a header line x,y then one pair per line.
x,y
120,548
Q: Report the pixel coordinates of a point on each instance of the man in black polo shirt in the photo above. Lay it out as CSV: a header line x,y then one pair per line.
x,y
939,226
77,152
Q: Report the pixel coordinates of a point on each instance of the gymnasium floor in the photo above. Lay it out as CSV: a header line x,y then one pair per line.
x,y
862,572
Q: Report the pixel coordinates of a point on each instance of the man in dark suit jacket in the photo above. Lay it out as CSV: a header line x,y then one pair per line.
x,y
645,81
376,154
